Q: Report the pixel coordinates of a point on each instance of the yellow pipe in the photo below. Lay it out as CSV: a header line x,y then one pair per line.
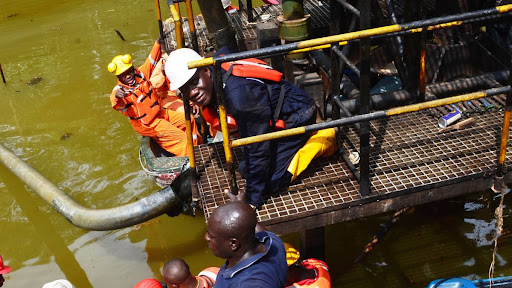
x,y
268,136
178,29
390,112
225,134
504,137
325,46
435,103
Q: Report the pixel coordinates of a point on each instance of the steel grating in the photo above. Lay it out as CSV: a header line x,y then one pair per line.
x,y
407,155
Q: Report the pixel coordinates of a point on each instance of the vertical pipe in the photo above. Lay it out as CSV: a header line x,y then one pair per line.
x,y
364,133
219,90
423,53
2,72
161,26
217,23
178,29
250,17
500,171
191,25
203,126
312,243
190,148
335,65
412,12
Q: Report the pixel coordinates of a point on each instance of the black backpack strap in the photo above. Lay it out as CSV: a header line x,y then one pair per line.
x,y
226,75
279,103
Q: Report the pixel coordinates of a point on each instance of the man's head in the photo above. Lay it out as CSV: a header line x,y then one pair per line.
x,y
177,274
230,229
122,67
195,83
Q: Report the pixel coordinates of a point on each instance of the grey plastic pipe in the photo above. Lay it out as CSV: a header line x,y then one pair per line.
x,y
123,216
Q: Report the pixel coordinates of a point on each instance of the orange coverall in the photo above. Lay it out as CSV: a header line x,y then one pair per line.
x,y
168,127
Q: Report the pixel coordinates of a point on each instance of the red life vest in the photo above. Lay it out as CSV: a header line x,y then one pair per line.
x,y
322,279
141,102
207,277
247,68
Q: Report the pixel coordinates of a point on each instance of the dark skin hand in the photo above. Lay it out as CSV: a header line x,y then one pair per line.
x,y
241,197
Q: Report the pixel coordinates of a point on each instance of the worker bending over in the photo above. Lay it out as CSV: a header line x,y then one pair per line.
x,y
259,104
135,97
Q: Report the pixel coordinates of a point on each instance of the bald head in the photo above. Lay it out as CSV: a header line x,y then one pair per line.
x,y
236,219
176,271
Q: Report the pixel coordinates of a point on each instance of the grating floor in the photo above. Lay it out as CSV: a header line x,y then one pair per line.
x,y
407,155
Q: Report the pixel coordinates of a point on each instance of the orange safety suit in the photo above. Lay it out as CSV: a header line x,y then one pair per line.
x,y
168,98
167,127
207,277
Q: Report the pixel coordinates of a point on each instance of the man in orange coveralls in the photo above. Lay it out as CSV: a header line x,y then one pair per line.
x,y
135,97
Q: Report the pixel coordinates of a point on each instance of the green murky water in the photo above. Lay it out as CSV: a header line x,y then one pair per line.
x,y
61,123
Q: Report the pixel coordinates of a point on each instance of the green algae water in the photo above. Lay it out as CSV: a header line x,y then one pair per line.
x,y
56,115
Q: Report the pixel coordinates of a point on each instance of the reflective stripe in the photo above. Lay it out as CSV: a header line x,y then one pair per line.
x,y
153,62
208,274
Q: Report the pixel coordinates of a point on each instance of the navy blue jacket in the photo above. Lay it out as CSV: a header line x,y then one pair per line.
x,y
267,269
264,164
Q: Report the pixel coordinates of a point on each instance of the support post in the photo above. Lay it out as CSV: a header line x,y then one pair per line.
x,y
364,80
312,243
219,90
500,170
190,148
191,25
423,54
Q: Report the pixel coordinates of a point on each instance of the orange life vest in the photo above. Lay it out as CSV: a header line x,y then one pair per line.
x,y
322,279
141,102
247,68
207,277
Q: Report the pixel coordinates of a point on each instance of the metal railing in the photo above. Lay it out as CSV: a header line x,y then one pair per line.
x,y
342,39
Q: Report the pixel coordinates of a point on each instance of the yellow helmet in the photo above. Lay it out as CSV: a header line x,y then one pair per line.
x,y
120,64
292,255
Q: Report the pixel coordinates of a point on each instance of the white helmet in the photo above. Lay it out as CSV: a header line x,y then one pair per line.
x,y
226,3
176,66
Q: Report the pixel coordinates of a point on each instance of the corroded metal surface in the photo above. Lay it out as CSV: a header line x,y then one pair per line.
x,y
408,155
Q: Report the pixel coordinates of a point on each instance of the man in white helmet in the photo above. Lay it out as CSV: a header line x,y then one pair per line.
x,y
252,102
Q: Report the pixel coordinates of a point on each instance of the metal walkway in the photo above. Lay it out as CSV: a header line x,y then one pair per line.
x,y
410,161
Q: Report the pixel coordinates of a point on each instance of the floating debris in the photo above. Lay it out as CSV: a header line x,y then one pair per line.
x,y
11,15
119,34
65,136
35,80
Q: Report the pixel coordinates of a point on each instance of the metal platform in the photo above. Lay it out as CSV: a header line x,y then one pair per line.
x,y
411,163
246,32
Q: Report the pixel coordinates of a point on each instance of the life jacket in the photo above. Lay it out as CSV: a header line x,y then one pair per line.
x,y
247,68
322,279
208,276
141,101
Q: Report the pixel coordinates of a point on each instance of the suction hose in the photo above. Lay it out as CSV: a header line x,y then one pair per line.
x,y
156,204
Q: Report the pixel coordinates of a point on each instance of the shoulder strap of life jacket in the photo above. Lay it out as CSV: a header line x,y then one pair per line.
x,y
250,68
258,69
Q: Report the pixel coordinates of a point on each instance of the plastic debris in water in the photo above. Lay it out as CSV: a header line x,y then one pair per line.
x,y
35,80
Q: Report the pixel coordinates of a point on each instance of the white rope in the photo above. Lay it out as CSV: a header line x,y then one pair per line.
x,y
499,229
